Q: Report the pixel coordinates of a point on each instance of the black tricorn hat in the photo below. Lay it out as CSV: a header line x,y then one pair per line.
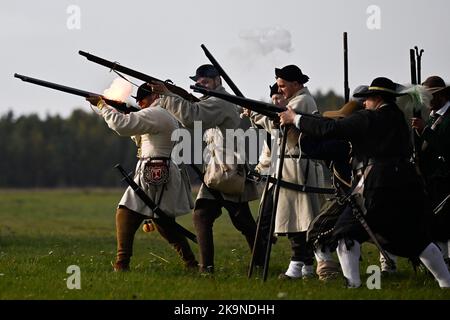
x,y
273,89
291,73
380,86
205,71
143,91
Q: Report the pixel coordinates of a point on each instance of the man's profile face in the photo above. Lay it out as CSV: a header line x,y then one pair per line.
x,y
208,83
372,102
288,88
147,101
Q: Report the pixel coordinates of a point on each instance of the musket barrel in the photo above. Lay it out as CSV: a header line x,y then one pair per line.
x,y
116,66
222,72
120,106
346,85
264,108
138,75
55,86
412,61
254,105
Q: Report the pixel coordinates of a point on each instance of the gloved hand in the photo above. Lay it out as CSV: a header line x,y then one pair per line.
x,y
96,101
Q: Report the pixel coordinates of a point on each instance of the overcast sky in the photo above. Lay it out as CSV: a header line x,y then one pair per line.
x,y
249,38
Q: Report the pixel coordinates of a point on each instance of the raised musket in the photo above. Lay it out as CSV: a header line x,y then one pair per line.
x,y
264,108
419,64
118,105
115,66
267,109
346,86
413,66
415,79
222,72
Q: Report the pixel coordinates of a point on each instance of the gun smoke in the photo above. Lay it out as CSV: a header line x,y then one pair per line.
x,y
257,47
265,41
119,90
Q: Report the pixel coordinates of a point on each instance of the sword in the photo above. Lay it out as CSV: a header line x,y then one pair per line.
x,y
441,205
358,213
163,219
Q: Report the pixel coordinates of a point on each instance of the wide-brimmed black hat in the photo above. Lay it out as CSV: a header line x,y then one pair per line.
x,y
205,71
273,89
291,73
143,91
380,86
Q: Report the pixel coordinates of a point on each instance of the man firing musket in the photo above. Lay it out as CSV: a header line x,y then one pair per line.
x,y
156,174
218,190
150,128
118,105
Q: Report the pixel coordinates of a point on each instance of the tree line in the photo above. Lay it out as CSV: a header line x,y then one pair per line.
x,y
78,151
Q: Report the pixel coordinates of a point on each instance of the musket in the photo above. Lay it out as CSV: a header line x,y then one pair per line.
x,y
258,236
118,105
163,219
222,72
346,87
267,109
412,63
264,108
276,196
230,83
115,66
419,64
416,113
255,176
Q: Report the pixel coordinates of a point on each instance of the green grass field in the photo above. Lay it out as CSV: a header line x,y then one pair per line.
x,y
44,232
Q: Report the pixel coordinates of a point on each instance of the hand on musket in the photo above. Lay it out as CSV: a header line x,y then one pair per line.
x,y
287,117
246,113
418,124
160,88
95,100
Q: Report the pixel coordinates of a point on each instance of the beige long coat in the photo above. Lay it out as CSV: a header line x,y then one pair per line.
x,y
296,210
216,116
151,129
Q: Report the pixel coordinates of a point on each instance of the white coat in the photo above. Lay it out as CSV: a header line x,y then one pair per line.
x,y
151,129
296,210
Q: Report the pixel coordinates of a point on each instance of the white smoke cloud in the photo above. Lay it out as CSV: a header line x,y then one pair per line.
x,y
267,40
251,63
119,90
